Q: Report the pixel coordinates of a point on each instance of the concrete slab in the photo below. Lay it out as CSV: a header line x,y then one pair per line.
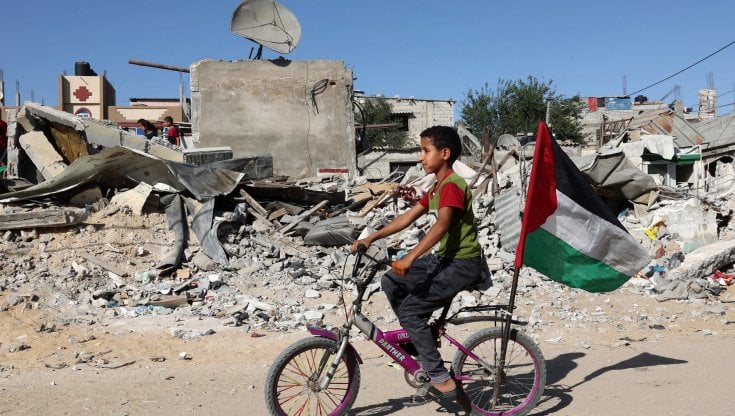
x,y
134,199
702,262
47,160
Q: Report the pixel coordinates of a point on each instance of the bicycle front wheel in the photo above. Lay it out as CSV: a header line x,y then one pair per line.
x,y
522,379
292,384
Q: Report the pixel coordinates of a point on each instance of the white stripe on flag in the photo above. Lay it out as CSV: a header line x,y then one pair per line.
x,y
595,237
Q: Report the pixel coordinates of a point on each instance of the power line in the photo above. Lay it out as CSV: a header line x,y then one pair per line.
x,y
679,72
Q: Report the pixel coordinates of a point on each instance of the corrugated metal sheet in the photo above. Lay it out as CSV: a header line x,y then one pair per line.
x,y
669,123
508,217
218,178
719,132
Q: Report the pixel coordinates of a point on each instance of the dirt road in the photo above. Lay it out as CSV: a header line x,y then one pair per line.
x,y
621,366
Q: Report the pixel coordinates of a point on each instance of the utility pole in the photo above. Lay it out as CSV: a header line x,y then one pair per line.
x,y
548,111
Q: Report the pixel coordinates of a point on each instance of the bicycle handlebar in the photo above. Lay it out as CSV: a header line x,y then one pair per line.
x,y
360,253
361,250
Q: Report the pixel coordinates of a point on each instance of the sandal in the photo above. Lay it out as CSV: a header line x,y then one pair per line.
x,y
428,393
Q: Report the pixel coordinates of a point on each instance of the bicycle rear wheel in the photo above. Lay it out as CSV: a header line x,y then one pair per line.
x,y
523,378
292,384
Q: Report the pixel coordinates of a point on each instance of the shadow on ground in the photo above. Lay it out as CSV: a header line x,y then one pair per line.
x,y
395,406
557,396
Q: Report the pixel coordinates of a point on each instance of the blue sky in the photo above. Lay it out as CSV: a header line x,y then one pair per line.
x,y
426,49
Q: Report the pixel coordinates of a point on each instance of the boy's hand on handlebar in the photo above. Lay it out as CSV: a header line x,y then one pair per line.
x,y
401,266
364,243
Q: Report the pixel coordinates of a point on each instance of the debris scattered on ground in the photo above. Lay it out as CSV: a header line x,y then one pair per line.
x,y
228,240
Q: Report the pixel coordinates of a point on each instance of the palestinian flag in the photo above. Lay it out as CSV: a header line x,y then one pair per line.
x,y
568,232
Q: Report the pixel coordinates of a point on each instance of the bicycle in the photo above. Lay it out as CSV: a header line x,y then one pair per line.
x,y
320,375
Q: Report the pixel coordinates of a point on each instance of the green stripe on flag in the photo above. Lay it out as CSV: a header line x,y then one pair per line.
x,y
564,264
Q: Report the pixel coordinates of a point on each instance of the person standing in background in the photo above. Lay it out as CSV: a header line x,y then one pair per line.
x,y
149,130
172,134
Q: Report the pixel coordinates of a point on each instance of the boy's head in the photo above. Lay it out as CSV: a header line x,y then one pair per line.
x,y
444,137
168,120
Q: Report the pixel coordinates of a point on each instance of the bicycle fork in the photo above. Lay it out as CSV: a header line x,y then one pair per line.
x,y
324,382
365,326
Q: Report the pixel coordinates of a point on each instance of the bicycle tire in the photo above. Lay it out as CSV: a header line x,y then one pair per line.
x,y
290,386
525,373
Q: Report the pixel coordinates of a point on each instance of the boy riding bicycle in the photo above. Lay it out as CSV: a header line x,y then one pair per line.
x,y
418,285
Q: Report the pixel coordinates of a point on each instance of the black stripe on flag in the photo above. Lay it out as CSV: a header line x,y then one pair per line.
x,y
571,182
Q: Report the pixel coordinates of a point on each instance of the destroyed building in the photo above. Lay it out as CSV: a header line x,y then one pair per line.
x,y
291,192
301,112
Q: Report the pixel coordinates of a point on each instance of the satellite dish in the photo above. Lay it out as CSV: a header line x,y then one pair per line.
x,y
508,141
267,23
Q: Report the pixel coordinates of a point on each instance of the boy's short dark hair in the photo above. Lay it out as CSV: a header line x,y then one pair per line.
x,y
169,119
443,137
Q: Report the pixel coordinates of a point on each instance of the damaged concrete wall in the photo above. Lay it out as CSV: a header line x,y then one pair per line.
x,y
379,163
423,113
298,111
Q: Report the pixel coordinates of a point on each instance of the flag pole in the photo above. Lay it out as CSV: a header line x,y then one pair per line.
x,y
500,375
508,318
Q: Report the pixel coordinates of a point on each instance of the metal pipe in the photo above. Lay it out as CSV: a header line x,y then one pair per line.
x,y
160,66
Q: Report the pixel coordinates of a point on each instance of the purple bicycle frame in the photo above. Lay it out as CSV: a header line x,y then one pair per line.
x,y
389,341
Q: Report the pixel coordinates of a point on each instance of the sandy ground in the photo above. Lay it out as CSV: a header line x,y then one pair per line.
x,y
624,366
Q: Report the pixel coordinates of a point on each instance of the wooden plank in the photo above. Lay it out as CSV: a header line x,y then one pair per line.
x,y
42,219
488,156
277,214
370,190
257,215
293,193
253,203
301,217
375,202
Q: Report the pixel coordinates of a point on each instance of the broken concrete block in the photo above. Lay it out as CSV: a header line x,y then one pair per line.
x,y
702,262
691,222
47,160
313,315
41,219
86,197
311,294
203,262
335,231
134,199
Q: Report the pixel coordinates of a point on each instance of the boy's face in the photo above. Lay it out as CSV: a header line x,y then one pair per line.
x,y
432,159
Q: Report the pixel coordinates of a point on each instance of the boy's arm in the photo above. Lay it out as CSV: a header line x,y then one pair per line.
x,y
399,223
447,215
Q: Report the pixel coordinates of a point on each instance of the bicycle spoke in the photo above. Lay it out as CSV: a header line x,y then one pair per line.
x,y
299,377
295,368
320,407
518,375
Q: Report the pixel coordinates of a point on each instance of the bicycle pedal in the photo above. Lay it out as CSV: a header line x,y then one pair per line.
x,y
463,401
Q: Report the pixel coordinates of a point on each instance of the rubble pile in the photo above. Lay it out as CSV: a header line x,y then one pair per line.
x,y
228,240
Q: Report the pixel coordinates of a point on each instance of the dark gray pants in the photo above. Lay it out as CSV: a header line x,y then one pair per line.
x,y
429,285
